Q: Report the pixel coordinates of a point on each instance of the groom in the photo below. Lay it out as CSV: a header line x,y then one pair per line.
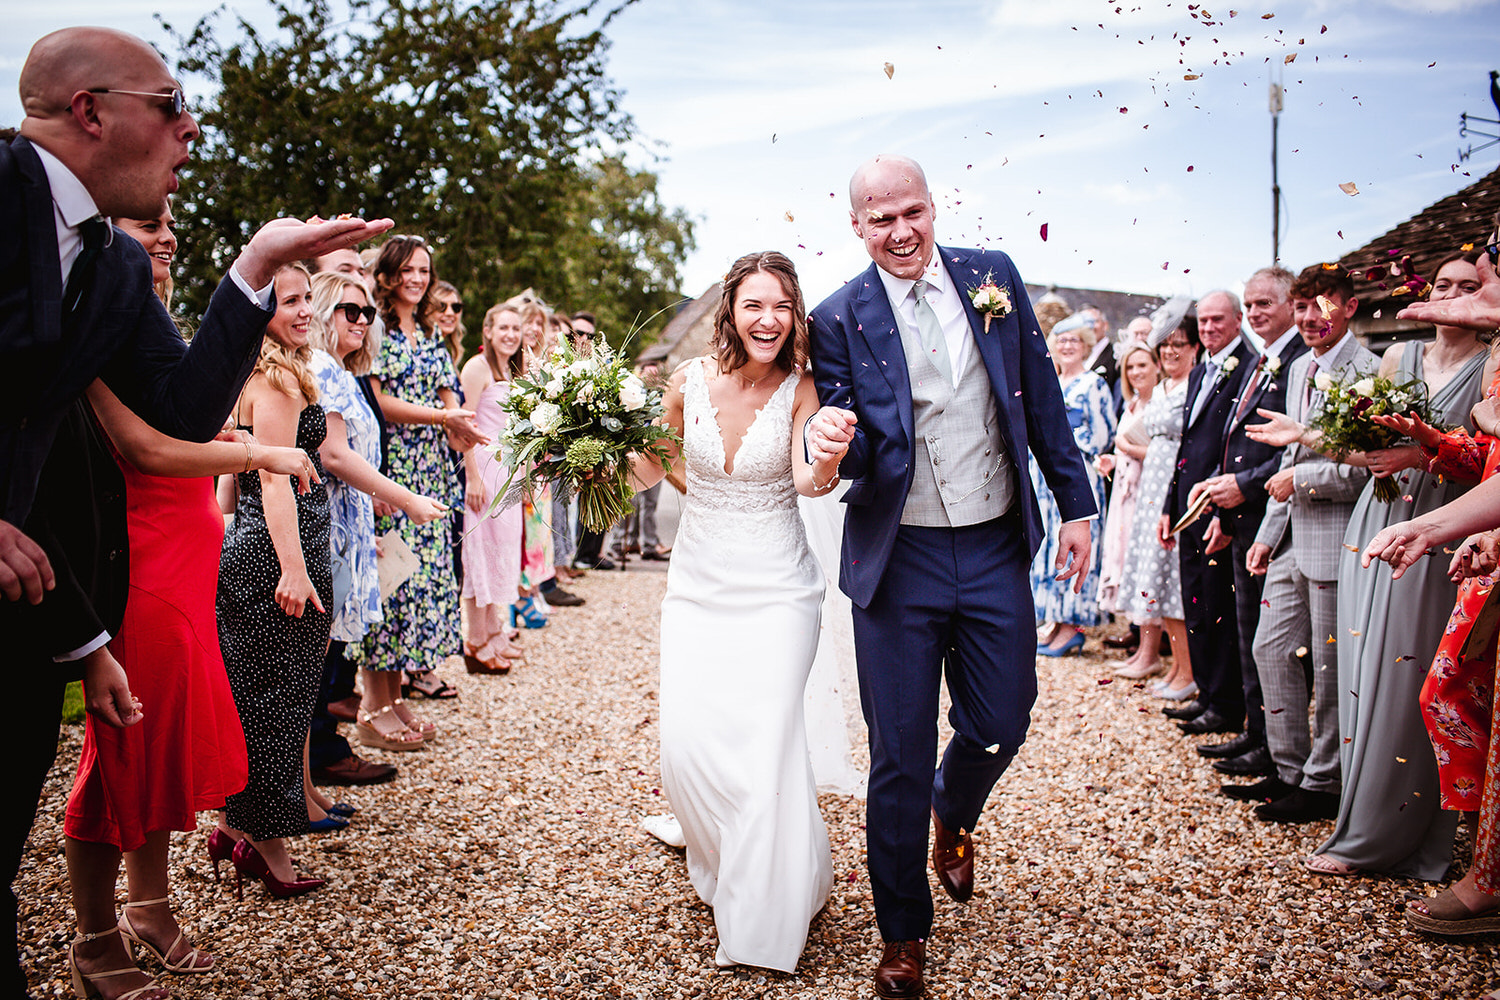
x,y
940,404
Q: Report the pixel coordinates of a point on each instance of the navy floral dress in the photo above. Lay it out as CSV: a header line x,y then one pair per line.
x,y
421,624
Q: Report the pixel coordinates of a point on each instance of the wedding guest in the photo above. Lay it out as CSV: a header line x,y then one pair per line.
x,y
1123,467
1238,498
1091,415
746,588
135,785
558,514
590,543
1297,549
275,587
418,393
1390,818
62,520
1151,577
537,562
492,554
1212,392
343,352
444,317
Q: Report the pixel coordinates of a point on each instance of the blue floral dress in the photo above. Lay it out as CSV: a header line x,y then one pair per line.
x,y
421,619
1091,412
351,533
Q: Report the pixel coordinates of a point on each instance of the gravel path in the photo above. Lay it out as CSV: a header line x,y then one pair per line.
x,y
508,861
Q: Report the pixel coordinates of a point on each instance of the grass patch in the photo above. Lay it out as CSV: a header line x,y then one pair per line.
x,y
73,711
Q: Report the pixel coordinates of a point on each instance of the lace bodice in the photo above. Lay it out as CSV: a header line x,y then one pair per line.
x,y
757,504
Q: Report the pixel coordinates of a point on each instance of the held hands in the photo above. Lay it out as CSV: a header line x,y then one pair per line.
x,y
1389,461
1073,547
1479,555
1279,431
284,241
24,568
106,690
829,433
294,590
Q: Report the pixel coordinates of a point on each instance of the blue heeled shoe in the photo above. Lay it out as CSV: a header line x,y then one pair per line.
x,y
328,824
1066,648
527,613
342,809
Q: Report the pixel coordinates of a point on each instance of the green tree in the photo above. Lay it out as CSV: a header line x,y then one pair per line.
x,y
484,127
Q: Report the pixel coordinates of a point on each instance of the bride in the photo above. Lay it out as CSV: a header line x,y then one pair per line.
x,y
739,624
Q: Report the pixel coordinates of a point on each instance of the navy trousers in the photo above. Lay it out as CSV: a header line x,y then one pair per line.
x,y
958,598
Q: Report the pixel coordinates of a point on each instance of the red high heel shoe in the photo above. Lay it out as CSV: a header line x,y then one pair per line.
x,y
248,861
220,848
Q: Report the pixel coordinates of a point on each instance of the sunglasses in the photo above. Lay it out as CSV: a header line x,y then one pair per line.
x,y
456,308
179,102
1493,249
353,312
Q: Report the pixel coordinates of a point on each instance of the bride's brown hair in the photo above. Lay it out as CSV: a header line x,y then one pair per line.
x,y
728,350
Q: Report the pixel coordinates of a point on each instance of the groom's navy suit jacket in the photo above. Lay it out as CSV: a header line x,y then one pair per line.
x,y
121,332
859,364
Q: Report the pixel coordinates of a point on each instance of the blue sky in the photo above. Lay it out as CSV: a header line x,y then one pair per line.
x,y
1072,113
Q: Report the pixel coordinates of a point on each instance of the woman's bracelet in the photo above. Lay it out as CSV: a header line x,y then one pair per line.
x,y
442,418
247,456
827,486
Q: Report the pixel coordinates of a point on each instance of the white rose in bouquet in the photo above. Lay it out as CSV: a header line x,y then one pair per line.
x,y
555,388
546,417
632,393
1365,387
1323,381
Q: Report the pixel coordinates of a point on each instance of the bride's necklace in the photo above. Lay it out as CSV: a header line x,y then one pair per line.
x,y
751,383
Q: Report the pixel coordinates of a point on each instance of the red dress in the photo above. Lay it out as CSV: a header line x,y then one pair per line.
x,y
188,752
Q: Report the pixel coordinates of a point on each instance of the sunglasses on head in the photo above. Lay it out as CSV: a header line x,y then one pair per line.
x,y
178,101
456,308
353,312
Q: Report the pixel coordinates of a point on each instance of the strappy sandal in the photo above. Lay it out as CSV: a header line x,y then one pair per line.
x,y
1449,916
83,982
429,685
426,727
402,739
186,965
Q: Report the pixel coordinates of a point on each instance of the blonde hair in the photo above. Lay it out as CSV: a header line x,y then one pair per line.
x,y
454,342
517,362
327,292
1127,390
276,362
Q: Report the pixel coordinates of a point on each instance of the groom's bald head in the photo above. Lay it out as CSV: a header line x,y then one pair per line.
x,y
886,173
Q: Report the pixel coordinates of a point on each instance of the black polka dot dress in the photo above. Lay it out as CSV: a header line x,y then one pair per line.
x,y
275,661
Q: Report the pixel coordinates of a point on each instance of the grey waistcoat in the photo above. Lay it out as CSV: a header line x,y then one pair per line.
x,y
963,474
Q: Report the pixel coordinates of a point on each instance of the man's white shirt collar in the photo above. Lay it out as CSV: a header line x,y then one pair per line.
x,y
72,205
1218,360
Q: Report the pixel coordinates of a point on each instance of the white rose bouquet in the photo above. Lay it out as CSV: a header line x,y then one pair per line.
x,y
1349,404
574,421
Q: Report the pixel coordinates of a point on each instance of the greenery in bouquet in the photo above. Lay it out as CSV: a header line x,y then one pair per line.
x,y
1349,403
573,421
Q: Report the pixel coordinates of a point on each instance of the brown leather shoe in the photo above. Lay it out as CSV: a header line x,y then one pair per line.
x,y
353,770
899,974
953,860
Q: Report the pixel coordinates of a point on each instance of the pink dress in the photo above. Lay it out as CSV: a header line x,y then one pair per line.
x,y
492,539
1127,480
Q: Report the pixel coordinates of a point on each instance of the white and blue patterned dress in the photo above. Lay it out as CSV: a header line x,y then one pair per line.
x,y
1091,413
351,534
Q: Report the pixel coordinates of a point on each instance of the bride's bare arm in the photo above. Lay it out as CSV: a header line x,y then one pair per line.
x,y
813,479
645,471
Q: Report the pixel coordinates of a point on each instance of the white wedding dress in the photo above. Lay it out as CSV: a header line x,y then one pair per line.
x,y
739,629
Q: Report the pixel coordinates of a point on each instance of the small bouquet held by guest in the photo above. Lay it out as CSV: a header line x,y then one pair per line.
x,y
1345,420
574,421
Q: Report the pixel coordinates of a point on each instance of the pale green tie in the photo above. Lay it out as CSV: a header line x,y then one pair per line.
x,y
931,331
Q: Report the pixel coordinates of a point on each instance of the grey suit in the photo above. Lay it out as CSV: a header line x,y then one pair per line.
x,y
1300,610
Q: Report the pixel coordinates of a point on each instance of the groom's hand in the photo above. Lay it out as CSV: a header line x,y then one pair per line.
x,y
1073,553
829,432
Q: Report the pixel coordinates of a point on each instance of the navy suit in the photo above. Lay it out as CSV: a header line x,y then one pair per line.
x,y
1208,580
1252,463
56,480
925,597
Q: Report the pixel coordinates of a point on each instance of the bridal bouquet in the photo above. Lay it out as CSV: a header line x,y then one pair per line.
x,y
1349,404
573,421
